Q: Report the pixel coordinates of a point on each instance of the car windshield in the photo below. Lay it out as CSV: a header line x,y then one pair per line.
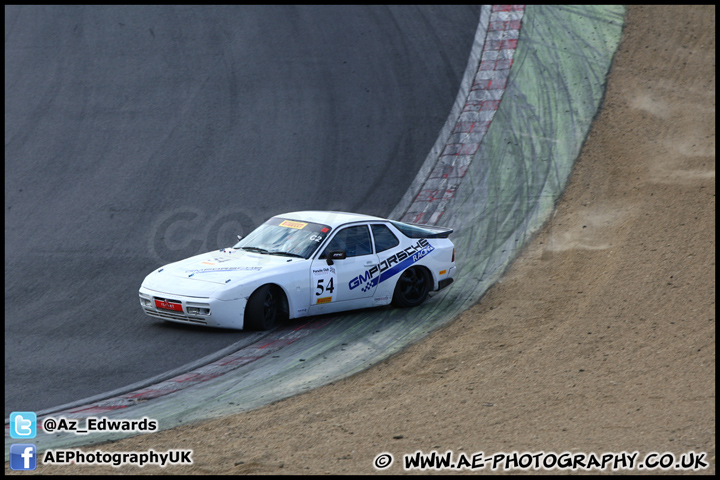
x,y
284,236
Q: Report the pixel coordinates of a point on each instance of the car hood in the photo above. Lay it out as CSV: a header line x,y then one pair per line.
x,y
204,274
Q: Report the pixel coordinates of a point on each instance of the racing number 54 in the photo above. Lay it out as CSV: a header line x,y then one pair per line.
x,y
320,289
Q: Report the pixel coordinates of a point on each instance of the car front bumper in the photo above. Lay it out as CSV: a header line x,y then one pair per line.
x,y
206,311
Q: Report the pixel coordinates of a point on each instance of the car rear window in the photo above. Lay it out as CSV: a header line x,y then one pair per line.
x,y
384,238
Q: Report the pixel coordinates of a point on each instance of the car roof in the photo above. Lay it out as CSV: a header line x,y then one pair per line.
x,y
333,219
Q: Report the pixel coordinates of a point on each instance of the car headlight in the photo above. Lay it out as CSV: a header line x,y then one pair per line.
x,y
198,311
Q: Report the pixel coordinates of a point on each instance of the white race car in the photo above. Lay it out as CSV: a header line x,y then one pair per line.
x,y
303,263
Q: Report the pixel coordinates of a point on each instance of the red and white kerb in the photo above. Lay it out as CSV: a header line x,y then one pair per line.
x,y
474,121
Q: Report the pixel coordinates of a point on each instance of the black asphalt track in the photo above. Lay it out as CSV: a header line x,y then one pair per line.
x,y
136,136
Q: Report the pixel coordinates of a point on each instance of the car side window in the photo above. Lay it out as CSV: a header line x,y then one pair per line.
x,y
384,238
355,241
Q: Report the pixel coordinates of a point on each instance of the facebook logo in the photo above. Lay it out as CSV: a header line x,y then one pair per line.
x,y
23,456
23,425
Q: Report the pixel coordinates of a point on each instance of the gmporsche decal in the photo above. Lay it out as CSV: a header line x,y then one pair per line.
x,y
392,265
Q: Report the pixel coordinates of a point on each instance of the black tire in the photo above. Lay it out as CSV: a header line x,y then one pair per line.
x,y
263,309
412,288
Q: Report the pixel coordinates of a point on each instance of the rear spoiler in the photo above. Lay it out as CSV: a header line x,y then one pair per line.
x,y
414,230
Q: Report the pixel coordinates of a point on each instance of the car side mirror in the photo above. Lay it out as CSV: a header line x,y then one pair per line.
x,y
335,255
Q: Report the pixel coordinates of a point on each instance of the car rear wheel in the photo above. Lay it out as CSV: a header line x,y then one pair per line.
x,y
412,288
263,309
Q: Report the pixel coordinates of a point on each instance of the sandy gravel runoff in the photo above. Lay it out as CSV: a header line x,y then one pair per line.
x,y
599,338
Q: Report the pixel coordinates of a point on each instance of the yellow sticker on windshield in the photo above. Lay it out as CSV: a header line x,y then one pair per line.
x,y
291,224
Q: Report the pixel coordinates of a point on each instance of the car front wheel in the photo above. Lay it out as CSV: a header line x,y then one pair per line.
x,y
412,288
263,309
